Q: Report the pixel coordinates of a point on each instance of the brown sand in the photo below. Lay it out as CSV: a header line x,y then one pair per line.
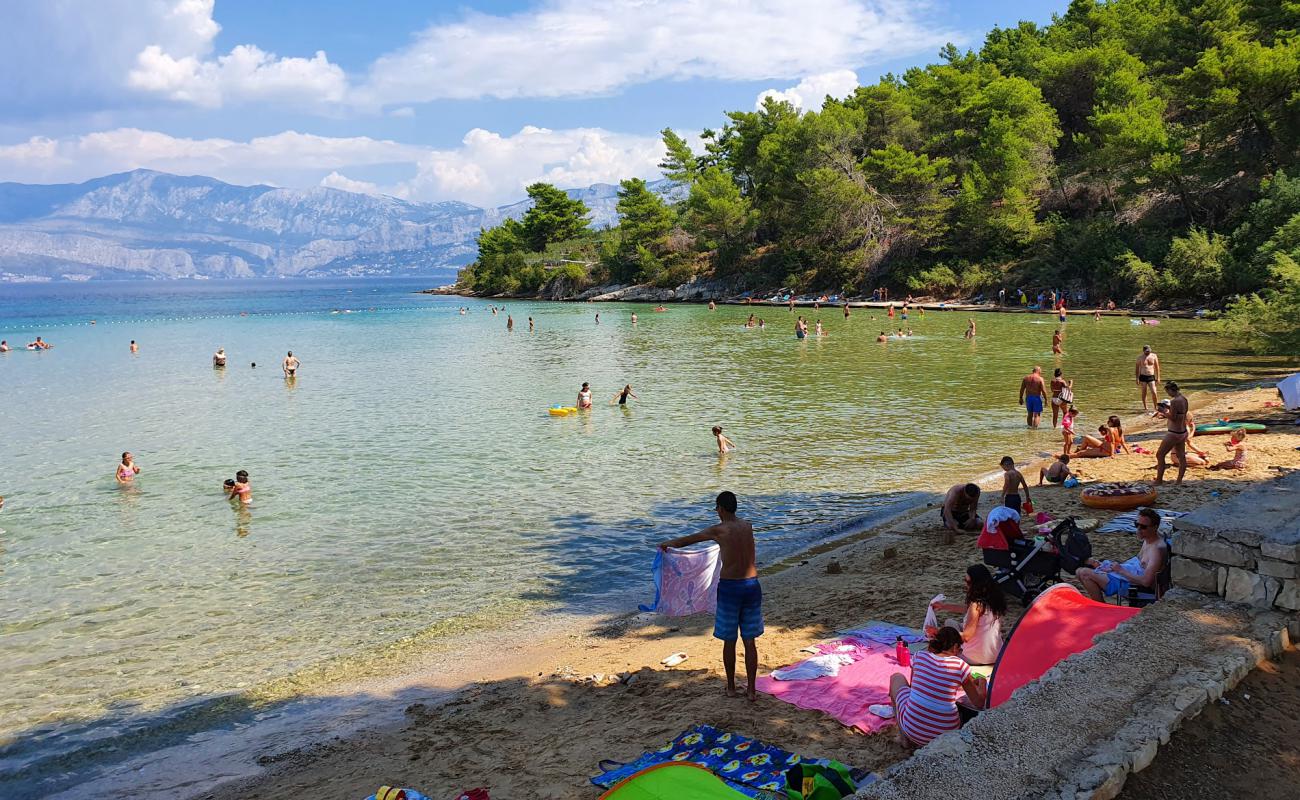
x,y
1246,745
533,725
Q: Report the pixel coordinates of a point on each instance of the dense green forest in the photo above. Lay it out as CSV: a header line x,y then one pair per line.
x,y
1144,150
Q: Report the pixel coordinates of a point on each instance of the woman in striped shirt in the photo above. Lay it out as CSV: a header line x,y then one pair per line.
x,y
927,707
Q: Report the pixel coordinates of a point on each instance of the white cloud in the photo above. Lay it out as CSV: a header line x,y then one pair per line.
x,y
405,112
811,92
334,180
486,169
592,47
63,56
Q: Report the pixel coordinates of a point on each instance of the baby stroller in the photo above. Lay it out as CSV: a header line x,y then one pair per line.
x,y
1031,565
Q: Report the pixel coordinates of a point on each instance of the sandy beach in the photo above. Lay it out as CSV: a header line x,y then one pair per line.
x,y
533,718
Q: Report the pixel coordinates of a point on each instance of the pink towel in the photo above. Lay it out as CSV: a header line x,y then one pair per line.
x,y
686,581
845,696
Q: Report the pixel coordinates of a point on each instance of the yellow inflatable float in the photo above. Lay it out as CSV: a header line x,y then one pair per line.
x,y
562,411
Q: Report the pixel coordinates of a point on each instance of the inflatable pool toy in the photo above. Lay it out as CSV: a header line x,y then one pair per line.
x,y
1224,426
1121,496
562,411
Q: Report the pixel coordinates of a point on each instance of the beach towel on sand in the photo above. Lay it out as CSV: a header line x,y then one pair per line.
x,y
883,632
686,581
1127,522
846,695
749,766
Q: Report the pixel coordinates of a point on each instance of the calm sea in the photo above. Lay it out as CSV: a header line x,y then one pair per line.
x,y
411,474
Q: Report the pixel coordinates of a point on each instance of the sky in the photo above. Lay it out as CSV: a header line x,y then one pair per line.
x,y
431,101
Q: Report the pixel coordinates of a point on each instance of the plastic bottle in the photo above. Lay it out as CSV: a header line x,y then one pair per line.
x,y
904,655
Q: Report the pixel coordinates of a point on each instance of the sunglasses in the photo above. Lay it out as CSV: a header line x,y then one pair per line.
x,y
1147,525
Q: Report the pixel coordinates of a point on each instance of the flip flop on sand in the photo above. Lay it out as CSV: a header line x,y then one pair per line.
x,y
882,711
673,660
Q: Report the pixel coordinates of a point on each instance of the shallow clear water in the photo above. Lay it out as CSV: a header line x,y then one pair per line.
x,y
412,474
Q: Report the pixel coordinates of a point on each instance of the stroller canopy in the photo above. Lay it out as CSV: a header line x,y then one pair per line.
x,y
1060,622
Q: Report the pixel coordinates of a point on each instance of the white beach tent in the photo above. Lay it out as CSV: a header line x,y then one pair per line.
x,y
1289,388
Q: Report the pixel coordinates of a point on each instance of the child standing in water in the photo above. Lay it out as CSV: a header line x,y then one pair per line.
x,y
725,445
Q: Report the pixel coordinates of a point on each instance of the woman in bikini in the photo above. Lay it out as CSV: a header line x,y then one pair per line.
x,y
621,397
1097,448
1062,394
127,470
1117,441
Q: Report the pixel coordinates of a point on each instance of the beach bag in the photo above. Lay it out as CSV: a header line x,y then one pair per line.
x,y
1067,396
1074,545
818,782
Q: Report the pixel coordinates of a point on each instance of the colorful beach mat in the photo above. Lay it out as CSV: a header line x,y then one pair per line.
x,y
747,765
846,695
873,630
686,581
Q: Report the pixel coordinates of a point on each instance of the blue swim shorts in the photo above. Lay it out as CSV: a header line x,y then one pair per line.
x,y
740,605
1034,404
1115,585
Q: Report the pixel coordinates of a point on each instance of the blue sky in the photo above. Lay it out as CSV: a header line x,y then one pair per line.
x,y
430,100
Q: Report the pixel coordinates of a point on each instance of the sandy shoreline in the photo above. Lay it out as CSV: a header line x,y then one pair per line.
x,y
516,708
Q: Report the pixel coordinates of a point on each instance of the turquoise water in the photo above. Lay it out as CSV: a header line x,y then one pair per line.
x,y
411,474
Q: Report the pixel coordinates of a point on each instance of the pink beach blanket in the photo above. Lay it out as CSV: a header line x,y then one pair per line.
x,y
845,696
686,581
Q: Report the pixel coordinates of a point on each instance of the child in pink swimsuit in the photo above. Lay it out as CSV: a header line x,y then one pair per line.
x,y
1067,429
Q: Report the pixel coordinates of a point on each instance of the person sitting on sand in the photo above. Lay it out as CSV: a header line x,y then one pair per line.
x,y
959,511
584,396
1237,444
1094,447
621,397
740,597
1106,579
982,613
1117,440
725,445
1012,481
1067,429
127,470
927,707
1057,471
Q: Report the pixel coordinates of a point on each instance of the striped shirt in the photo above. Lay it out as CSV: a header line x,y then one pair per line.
x,y
929,707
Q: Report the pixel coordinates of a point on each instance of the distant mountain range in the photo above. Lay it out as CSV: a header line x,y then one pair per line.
x,y
152,225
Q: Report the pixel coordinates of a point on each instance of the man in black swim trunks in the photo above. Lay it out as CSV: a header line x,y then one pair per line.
x,y
959,510
1147,371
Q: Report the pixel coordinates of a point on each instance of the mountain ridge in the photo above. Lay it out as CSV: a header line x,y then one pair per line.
x,y
156,225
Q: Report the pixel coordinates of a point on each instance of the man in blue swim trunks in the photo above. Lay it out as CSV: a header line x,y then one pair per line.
x,y
1102,579
1033,392
740,598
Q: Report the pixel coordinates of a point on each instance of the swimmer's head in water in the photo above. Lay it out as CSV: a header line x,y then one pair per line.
x,y
727,502
717,429
1007,462
242,476
229,482
971,490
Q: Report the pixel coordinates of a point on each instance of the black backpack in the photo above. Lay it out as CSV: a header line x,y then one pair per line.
x,y
1073,544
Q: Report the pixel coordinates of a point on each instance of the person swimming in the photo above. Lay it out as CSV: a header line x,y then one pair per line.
x,y
622,396
883,337
725,445
135,348
240,489
127,470
4,346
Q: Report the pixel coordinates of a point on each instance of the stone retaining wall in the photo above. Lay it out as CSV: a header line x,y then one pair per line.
x,y
1080,730
1246,550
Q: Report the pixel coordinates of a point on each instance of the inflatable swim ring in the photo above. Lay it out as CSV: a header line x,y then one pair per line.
x,y
1223,426
561,411
1121,496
